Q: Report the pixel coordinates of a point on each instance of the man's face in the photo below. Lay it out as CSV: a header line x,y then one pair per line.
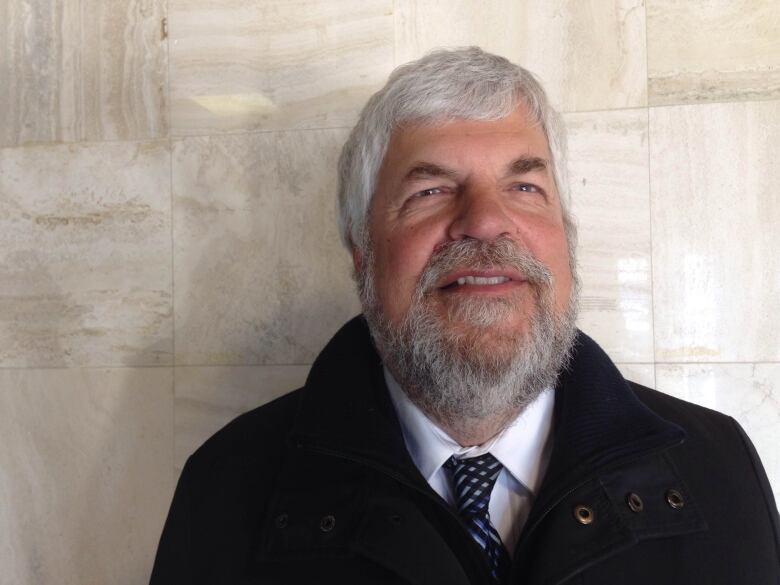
x,y
468,180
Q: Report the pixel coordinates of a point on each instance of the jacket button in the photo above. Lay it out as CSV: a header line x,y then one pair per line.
x,y
281,521
675,499
635,502
584,514
327,523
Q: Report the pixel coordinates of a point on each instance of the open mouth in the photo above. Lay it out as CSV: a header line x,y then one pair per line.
x,y
479,280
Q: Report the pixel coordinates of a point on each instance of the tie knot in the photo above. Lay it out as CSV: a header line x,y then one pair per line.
x,y
473,480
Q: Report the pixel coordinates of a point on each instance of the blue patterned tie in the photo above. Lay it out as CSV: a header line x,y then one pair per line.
x,y
473,480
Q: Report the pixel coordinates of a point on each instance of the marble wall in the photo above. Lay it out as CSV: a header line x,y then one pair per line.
x,y
169,259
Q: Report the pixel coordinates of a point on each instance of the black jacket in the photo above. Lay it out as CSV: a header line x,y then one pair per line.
x,y
317,487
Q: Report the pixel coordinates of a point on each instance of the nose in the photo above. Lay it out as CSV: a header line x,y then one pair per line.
x,y
480,214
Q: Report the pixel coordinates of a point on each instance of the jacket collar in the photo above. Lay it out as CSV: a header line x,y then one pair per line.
x,y
345,407
598,418
598,421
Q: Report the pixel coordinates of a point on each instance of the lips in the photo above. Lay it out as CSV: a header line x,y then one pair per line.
x,y
488,267
490,278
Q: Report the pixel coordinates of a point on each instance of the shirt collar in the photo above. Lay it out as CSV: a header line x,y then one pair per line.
x,y
523,448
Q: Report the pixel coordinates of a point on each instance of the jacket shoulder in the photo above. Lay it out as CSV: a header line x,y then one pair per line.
x,y
222,495
261,430
690,416
716,441
703,426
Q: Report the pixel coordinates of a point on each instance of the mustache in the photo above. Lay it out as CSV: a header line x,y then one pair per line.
x,y
472,254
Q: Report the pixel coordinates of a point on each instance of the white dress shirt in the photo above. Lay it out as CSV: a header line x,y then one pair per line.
x,y
523,448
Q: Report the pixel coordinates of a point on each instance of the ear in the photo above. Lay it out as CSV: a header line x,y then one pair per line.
x,y
357,258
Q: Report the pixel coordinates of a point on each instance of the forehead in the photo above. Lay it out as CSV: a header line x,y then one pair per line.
x,y
514,135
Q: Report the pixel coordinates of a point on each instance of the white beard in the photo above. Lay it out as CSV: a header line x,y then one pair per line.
x,y
449,375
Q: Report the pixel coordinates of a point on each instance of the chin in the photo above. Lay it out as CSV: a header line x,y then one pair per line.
x,y
487,316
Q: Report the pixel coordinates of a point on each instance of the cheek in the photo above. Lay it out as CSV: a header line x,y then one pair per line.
x,y
399,266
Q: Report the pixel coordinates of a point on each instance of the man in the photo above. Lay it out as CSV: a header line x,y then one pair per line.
x,y
463,430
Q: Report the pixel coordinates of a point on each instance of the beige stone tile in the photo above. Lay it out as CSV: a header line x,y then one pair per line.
x,y
421,26
715,214
88,70
610,199
589,55
207,398
276,64
748,392
640,373
261,277
86,473
85,255
712,51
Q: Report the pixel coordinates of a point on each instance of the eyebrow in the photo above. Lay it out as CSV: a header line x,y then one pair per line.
x,y
423,170
519,166
526,164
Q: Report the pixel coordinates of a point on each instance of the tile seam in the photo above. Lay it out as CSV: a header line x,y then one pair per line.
x,y
650,197
714,102
166,29
163,139
171,137
298,365
154,366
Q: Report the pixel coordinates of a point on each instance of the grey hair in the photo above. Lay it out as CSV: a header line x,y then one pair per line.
x,y
466,83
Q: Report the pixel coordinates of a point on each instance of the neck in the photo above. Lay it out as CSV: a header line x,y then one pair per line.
x,y
471,432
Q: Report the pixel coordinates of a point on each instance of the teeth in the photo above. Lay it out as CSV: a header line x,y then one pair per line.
x,y
482,280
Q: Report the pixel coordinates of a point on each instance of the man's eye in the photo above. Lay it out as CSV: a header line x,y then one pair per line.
x,y
427,192
526,187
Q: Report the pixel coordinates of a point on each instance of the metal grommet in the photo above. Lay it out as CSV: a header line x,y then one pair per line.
x,y
327,523
634,502
584,514
281,521
675,499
